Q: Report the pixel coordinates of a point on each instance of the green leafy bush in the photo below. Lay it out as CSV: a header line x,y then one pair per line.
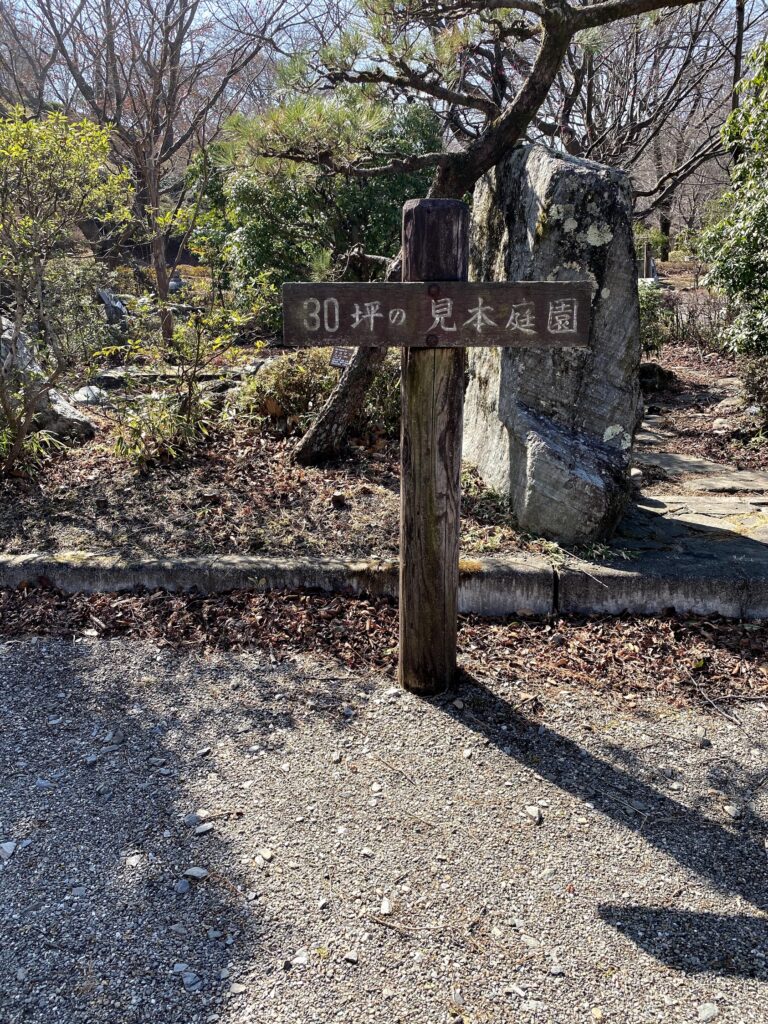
x,y
271,221
738,245
657,317
287,393
649,236
54,173
178,413
755,374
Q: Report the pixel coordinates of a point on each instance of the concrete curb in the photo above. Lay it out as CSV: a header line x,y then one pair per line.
x,y
654,585
490,587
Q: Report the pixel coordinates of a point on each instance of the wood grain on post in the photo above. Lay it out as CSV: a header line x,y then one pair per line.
x,y
435,248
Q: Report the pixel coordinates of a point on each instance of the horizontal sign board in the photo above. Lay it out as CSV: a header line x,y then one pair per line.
x,y
445,314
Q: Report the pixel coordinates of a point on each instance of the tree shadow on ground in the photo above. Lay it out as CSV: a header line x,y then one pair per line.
x,y
733,861
99,755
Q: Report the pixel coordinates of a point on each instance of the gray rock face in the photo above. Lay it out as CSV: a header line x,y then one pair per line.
x,y
553,430
54,412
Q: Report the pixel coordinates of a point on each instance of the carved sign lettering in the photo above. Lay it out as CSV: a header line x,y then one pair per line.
x,y
528,314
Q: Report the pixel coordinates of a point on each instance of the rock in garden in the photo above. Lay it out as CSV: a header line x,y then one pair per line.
x,y
53,413
553,430
7,850
534,813
386,907
351,957
90,395
60,417
707,1011
196,874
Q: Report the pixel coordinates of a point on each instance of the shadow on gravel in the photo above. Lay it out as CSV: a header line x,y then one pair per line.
x,y
98,922
732,860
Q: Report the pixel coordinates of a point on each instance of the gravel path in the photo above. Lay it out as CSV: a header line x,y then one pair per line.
x,y
365,856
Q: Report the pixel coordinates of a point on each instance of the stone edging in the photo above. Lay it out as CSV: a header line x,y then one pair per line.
x,y
524,585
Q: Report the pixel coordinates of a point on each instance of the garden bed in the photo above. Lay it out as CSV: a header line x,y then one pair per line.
x,y
240,493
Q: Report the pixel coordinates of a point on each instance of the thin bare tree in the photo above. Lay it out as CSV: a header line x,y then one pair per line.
x,y
163,75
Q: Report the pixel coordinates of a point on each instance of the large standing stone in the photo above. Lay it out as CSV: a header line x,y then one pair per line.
x,y
553,429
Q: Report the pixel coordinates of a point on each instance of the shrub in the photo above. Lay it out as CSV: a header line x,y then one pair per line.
x,y
657,317
54,173
737,245
178,414
755,375
287,393
650,236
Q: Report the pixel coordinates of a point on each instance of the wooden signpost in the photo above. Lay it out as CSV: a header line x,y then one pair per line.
x,y
433,316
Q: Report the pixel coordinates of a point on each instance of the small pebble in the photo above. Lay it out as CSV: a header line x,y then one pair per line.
x,y
351,957
192,981
386,907
198,874
707,1011
534,813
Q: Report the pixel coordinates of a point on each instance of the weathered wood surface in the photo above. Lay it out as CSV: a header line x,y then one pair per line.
x,y
435,245
437,314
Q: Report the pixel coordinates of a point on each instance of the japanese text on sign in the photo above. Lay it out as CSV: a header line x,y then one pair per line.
x,y
445,314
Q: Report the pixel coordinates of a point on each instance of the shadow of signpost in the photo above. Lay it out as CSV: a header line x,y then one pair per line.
x,y
732,861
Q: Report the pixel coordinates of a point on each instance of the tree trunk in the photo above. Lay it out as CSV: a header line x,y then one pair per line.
x,y
150,208
329,433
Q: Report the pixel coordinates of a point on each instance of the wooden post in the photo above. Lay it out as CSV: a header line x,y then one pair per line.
x,y
435,248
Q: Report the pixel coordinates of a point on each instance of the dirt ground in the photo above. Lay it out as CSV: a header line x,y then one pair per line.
x,y
241,494
688,410
191,838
